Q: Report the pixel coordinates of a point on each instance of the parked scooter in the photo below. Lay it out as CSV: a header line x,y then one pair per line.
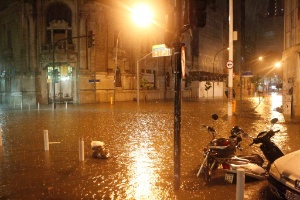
x,y
270,151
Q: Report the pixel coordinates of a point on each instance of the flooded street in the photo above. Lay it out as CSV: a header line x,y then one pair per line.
x,y
140,140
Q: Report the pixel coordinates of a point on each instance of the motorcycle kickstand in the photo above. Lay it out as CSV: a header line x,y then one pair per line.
x,y
201,167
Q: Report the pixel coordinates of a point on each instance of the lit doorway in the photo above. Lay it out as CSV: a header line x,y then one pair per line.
x,y
61,77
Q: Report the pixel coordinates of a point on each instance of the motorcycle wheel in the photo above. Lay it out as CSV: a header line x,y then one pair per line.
x,y
206,174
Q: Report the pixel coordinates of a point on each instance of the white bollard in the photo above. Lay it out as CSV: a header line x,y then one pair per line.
x,y
46,140
66,105
240,184
21,105
0,137
81,149
38,105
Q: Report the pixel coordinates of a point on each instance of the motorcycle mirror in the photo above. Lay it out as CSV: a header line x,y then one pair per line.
x,y
274,120
214,116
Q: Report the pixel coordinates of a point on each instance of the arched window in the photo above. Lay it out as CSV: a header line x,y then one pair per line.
x,y
59,23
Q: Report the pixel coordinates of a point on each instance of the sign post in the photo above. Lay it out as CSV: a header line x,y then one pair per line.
x,y
230,63
160,50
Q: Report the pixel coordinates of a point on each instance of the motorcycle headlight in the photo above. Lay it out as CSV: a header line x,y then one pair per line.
x,y
274,172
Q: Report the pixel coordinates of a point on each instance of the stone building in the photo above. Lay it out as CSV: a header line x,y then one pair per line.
x,y
45,53
290,57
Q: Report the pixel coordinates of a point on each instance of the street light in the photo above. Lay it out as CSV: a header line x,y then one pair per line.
x,y
214,69
117,46
138,77
277,64
142,16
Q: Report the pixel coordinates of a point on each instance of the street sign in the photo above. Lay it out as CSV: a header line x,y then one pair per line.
x,y
94,81
161,50
229,64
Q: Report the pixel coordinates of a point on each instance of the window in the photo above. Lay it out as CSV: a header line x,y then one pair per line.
x,y
59,23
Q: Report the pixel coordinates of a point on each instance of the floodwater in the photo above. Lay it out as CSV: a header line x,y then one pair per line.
x,y
140,141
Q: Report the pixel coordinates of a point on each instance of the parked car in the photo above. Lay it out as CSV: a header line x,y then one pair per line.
x,y
284,176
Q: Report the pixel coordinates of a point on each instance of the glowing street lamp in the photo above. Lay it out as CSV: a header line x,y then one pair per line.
x,y
142,16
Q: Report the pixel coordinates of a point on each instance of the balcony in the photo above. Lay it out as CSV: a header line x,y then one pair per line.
x,y
63,53
46,48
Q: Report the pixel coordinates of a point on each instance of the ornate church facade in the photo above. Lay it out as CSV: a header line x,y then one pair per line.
x,y
47,54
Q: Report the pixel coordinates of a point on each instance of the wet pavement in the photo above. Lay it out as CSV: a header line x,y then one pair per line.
x,y
140,140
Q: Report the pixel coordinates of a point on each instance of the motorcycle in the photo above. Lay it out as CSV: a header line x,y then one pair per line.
x,y
220,153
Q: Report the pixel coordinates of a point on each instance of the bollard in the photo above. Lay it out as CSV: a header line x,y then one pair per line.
x,y
46,140
81,149
240,184
21,105
0,137
111,100
38,105
233,106
66,105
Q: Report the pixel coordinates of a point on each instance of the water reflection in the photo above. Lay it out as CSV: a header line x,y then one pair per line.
x,y
276,102
142,172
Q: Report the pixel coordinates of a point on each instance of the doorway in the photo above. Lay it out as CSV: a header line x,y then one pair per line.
x,y
60,83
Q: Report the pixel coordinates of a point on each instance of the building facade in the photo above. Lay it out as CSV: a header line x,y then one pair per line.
x,y
291,60
48,52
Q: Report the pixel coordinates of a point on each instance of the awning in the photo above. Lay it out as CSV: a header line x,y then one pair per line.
x,y
247,74
206,76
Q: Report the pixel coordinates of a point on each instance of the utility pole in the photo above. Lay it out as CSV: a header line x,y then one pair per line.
x,y
230,70
177,89
197,18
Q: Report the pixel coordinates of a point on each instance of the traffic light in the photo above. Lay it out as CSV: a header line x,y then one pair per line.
x,y
197,12
91,39
169,31
56,75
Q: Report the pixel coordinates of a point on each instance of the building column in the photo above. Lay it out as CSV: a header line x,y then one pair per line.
x,y
31,40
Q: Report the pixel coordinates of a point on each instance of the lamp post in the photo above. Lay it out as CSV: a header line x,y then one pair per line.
x,y
142,15
116,68
138,77
214,69
53,82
